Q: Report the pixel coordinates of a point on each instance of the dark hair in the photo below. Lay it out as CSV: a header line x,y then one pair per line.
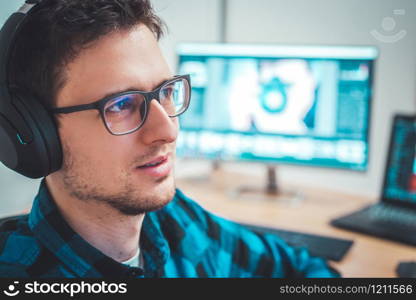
x,y
56,32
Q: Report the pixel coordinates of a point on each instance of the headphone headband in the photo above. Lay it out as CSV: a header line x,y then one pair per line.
x,y
27,6
8,35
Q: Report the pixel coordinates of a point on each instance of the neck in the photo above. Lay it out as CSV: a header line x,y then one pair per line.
x,y
106,229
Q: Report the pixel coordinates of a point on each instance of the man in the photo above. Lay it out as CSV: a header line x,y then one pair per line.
x,y
112,209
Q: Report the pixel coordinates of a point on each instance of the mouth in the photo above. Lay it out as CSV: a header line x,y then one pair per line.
x,y
154,162
157,167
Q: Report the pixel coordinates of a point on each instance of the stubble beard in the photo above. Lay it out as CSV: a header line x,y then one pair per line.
x,y
128,200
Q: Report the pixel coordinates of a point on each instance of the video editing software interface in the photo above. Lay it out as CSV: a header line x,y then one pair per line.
x,y
305,105
400,182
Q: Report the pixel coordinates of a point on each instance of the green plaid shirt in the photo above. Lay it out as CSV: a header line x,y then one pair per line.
x,y
180,240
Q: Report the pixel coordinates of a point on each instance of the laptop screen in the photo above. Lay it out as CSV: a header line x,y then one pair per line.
x,y
400,175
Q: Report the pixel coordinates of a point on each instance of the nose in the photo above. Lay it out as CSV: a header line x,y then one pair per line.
x,y
159,127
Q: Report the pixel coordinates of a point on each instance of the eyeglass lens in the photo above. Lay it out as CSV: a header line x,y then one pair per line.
x,y
126,113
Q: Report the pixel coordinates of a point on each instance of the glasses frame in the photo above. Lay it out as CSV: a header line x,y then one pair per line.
x,y
148,97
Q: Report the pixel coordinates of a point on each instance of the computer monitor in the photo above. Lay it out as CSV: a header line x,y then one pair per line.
x,y
400,175
307,105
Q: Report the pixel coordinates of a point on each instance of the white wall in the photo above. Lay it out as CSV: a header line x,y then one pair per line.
x,y
323,22
339,22
7,7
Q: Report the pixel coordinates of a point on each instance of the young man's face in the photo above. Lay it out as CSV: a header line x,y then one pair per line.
x,y
101,167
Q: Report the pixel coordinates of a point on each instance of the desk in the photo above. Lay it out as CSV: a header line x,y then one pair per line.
x,y
368,256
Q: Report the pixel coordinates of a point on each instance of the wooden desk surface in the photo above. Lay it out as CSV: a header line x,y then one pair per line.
x,y
368,256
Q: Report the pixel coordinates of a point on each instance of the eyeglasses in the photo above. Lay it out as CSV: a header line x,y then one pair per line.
x,y
126,112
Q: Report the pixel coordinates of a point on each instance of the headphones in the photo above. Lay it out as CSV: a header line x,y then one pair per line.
x,y
29,140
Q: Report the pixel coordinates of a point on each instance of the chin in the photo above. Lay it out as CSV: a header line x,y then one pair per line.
x,y
166,189
160,195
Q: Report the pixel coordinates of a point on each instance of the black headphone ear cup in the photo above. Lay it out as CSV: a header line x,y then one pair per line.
x,y
8,138
43,155
29,142
18,151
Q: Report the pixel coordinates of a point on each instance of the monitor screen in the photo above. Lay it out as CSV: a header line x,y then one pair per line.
x,y
305,105
400,179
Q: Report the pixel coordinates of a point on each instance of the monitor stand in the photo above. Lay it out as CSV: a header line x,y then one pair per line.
x,y
271,191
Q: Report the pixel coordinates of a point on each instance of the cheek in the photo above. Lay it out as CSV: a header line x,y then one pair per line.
x,y
90,143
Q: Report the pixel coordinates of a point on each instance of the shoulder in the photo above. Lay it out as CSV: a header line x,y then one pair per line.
x,y
185,205
192,214
226,248
18,247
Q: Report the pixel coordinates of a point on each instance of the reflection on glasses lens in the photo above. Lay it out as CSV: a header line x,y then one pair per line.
x,y
174,97
125,113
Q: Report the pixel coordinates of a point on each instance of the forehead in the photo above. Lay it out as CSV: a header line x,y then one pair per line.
x,y
121,60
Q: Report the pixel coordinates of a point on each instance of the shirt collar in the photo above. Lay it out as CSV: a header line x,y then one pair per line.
x,y
50,228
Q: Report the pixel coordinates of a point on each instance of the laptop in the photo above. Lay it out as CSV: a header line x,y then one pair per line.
x,y
393,217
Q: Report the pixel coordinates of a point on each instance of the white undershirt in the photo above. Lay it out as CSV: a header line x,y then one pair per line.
x,y
136,261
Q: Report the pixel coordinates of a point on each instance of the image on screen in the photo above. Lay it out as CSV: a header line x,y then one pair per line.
x,y
302,105
400,182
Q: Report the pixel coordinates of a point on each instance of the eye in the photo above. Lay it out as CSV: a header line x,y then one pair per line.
x,y
121,104
167,91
